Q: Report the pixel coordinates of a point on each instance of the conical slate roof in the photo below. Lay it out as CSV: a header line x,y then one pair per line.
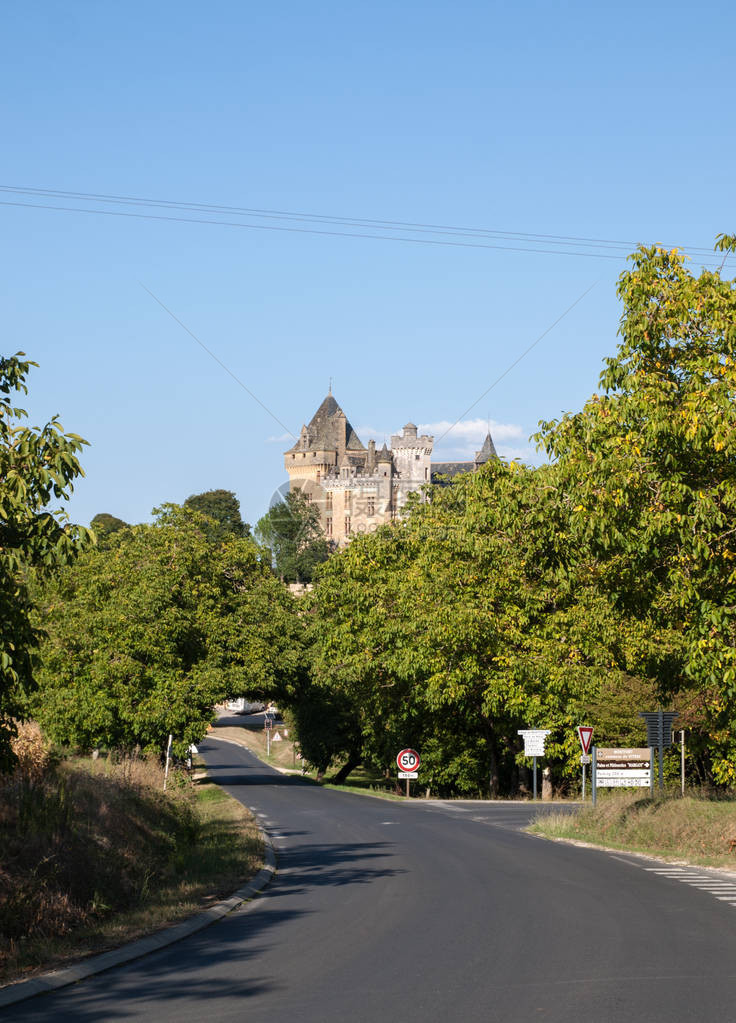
x,y
325,430
384,455
487,451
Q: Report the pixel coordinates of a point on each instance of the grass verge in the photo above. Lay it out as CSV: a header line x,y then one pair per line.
x,y
93,855
698,830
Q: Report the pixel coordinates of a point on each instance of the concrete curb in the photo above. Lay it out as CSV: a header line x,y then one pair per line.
x,y
45,982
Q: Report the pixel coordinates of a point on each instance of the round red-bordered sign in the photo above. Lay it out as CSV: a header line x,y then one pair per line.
x,y
408,760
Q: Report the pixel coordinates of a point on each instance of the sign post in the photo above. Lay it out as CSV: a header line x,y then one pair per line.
x,y
534,740
585,734
408,763
659,735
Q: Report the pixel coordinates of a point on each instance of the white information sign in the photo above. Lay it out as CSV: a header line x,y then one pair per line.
x,y
408,774
622,783
613,772
534,739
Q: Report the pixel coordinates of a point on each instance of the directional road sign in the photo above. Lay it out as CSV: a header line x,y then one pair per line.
x,y
408,760
585,734
534,739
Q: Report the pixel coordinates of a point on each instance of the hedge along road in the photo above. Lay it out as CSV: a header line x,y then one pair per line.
x,y
425,911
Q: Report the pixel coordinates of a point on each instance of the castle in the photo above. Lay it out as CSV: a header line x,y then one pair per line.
x,y
356,488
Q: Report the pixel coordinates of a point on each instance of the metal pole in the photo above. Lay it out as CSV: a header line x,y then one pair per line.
x,y
268,742
660,732
583,782
651,772
534,770
682,760
407,787
593,774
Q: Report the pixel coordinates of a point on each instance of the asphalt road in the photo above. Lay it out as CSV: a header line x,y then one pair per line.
x,y
427,911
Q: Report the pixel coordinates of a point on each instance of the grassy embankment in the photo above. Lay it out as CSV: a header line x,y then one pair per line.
x,y
696,829
94,854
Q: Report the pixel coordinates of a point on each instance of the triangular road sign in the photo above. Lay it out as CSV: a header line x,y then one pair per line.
x,y
585,734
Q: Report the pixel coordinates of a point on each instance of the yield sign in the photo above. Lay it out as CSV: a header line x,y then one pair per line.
x,y
585,734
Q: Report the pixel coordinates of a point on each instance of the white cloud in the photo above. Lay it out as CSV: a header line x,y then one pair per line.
x,y
459,441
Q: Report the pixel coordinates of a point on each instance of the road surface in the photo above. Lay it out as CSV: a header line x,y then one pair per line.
x,y
427,911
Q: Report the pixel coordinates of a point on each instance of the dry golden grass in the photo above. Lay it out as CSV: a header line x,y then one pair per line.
x,y
700,830
93,853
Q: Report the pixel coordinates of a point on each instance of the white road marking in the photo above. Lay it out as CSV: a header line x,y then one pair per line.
x,y
723,891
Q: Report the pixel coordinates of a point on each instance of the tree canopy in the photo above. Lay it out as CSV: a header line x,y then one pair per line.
x,y
144,637
37,466
291,531
103,525
594,587
223,509
648,468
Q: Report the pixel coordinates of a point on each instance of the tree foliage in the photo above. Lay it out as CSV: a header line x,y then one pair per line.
x,y
591,588
103,525
649,470
146,636
292,532
37,467
222,508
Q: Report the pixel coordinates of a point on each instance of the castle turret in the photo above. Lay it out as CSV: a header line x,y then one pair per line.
x,y
412,454
486,453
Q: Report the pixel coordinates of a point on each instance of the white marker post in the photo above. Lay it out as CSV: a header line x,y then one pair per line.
x,y
168,757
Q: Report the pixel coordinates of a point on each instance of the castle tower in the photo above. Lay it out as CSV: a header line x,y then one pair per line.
x,y
412,455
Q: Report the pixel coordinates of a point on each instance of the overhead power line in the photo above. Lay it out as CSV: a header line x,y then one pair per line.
x,y
252,218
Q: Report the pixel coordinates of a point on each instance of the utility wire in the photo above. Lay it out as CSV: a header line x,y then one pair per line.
x,y
309,230
517,361
217,360
333,221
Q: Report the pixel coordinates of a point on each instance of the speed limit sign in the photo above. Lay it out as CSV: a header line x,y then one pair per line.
x,y
408,760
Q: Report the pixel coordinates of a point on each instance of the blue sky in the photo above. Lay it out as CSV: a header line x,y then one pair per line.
x,y
608,121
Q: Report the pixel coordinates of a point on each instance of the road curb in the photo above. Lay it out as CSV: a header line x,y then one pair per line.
x,y
55,979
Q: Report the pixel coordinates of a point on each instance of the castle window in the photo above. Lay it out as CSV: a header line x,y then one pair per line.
x,y
319,475
416,458
328,501
371,506
426,474
307,497
347,525
328,527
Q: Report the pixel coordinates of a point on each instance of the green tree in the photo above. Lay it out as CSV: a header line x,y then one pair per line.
x,y
103,525
292,532
648,469
463,623
146,636
37,466
223,509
